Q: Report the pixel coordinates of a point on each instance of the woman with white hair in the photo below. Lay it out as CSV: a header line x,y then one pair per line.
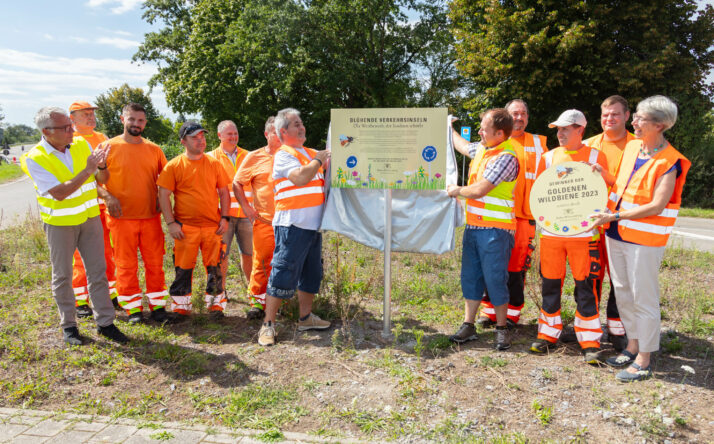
x,y
643,207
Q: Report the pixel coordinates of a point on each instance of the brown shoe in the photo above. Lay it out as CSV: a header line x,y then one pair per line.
x,y
313,322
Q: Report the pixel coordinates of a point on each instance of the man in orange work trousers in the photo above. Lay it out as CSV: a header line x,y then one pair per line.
x,y
134,165
84,121
231,156
529,149
581,251
256,174
197,182
614,113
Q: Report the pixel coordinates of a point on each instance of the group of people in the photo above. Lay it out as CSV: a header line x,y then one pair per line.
x,y
645,176
101,202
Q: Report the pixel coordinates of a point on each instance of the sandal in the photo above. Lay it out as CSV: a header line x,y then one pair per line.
x,y
640,375
622,360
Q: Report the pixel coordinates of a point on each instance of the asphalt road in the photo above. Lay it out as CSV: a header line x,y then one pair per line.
x,y
17,198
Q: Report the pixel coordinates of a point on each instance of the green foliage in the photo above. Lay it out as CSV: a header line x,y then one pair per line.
x,y
543,413
158,129
15,134
245,60
572,54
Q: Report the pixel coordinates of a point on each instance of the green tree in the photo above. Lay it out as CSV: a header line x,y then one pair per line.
x,y
244,60
15,134
159,129
560,54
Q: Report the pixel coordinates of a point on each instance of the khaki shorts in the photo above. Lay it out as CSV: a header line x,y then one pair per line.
x,y
242,229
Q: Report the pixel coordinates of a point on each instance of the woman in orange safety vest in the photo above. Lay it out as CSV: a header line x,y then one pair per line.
x,y
643,207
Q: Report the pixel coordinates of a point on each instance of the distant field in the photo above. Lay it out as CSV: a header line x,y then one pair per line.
x,y
697,212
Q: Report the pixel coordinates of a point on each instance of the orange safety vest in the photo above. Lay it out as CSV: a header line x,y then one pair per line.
x,y
227,163
528,154
613,155
289,196
495,209
632,192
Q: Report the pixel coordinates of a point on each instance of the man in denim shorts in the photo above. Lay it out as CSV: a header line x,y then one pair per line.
x,y
490,225
299,187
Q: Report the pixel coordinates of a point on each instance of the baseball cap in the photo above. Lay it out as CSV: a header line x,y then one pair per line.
x,y
569,117
190,128
76,106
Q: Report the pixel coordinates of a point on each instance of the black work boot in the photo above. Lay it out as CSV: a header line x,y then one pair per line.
x,y
72,337
113,333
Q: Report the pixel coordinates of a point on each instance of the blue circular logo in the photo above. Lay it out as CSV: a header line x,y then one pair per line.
x,y
429,153
351,162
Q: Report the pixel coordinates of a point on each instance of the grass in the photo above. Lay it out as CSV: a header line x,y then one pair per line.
x,y
707,213
347,382
9,171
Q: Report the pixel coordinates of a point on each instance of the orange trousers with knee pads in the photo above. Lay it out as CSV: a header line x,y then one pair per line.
x,y
518,265
615,327
146,236
186,250
583,255
263,247
79,275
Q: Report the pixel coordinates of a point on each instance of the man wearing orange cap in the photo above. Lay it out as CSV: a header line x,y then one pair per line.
x,y
255,174
199,184
134,165
231,156
84,121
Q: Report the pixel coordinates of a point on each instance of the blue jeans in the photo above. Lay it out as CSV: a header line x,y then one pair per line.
x,y
297,262
484,264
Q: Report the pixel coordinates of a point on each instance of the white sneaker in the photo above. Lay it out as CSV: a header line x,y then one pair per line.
x,y
266,335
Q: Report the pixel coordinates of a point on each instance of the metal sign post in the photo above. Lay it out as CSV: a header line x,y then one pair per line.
x,y
387,330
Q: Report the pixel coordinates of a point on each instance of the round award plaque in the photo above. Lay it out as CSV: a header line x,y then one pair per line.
x,y
565,195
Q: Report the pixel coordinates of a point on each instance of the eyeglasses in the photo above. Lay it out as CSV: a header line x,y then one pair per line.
x,y
63,128
639,118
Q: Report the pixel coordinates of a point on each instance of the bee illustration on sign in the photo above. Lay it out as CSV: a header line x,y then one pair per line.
x,y
346,140
563,171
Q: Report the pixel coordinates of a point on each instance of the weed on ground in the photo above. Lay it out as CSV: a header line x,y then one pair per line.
x,y
350,381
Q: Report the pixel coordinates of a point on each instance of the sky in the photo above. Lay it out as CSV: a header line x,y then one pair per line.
x,y
60,51
57,52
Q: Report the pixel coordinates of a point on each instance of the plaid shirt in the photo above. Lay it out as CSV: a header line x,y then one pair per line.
x,y
500,169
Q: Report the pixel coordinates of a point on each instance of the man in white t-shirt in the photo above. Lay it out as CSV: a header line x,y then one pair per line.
x,y
299,189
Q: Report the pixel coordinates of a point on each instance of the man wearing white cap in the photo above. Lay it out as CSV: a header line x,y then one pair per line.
x,y
581,251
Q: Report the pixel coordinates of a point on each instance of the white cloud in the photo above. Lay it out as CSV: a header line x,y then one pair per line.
x,y
48,36
121,7
29,81
118,42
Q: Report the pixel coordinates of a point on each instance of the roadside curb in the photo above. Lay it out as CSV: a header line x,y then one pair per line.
x,y
37,426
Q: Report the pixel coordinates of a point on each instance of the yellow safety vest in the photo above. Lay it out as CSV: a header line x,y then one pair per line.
x,y
79,206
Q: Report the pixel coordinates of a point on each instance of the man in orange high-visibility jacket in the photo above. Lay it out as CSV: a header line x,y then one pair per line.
x,y
255,173
490,225
614,113
134,165
199,183
529,150
84,120
299,189
581,251
230,155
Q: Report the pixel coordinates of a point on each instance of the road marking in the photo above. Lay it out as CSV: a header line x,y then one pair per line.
x,y
692,235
